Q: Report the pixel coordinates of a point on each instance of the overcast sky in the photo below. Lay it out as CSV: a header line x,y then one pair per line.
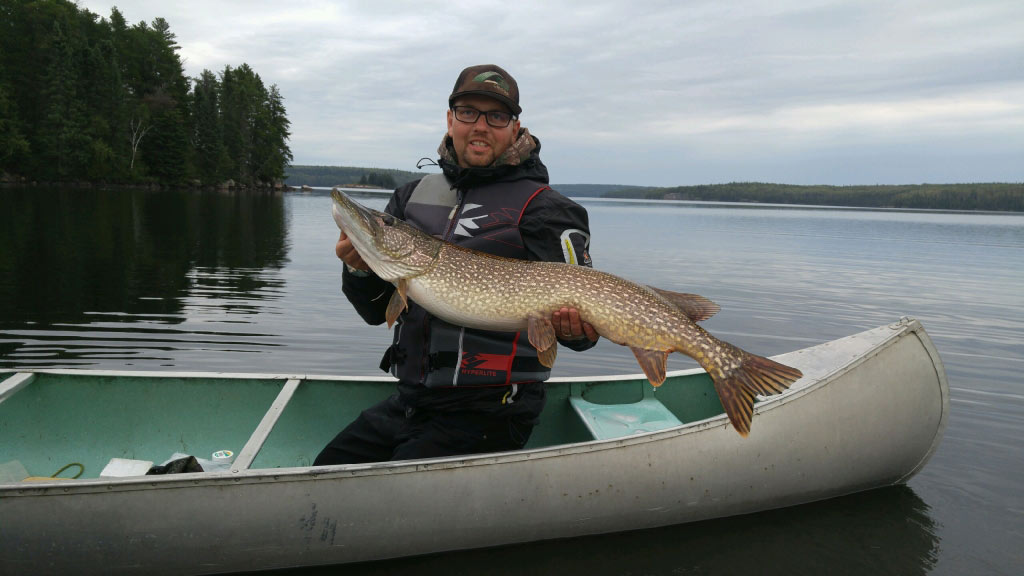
x,y
651,93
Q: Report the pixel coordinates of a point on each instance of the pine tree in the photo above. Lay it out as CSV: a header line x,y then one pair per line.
x,y
207,135
243,98
63,138
167,147
106,102
14,146
270,151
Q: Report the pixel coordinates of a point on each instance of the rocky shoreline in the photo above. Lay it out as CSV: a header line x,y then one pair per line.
x,y
9,181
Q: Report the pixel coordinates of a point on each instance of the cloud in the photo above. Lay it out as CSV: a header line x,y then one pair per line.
x,y
620,92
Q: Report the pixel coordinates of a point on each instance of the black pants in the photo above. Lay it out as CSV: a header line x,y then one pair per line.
x,y
391,431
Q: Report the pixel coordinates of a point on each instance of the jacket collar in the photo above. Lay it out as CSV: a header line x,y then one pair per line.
x,y
520,161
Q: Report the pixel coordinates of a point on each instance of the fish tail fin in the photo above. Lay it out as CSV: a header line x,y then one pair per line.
x,y
755,375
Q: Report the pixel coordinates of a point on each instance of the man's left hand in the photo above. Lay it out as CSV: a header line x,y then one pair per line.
x,y
568,325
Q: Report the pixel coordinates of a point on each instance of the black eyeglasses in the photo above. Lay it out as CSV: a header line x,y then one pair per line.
x,y
469,115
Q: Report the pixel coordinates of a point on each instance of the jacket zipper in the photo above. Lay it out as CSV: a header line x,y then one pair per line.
x,y
453,217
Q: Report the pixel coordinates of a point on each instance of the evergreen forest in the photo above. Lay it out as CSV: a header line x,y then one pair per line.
x,y
91,99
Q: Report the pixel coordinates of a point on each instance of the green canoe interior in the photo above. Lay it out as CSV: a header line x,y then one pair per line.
x,y
58,419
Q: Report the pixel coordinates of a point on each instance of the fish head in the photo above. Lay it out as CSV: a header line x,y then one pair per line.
x,y
391,248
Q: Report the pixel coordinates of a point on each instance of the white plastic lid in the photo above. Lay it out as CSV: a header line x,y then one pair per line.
x,y
223,456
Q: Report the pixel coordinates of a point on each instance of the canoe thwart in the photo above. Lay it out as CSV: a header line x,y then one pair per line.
x,y
259,436
16,382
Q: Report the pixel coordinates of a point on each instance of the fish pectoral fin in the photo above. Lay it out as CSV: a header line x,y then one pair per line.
x,y
695,306
547,356
541,334
652,362
398,303
394,310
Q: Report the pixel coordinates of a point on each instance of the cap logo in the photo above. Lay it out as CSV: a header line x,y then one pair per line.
x,y
493,78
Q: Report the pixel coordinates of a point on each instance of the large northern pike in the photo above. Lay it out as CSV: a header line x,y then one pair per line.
x,y
479,290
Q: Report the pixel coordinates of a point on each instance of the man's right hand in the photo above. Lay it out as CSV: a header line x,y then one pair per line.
x,y
347,253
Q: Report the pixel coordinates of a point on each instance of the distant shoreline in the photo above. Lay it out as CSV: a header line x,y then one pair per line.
x,y
87,185
969,197
988,196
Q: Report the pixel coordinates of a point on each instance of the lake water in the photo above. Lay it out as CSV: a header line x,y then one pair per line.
x,y
249,282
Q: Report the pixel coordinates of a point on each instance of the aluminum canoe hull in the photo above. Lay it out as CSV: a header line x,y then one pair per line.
x,y
869,412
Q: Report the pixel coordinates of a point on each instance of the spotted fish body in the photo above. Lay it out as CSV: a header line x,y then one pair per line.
x,y
478,290
461,289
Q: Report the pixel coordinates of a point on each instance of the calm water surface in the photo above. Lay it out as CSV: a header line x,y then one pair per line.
x,y
249,282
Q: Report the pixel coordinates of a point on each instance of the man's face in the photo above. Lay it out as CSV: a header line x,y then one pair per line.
x,y
478,144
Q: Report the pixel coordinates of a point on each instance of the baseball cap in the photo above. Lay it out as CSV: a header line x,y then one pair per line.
x,y
488,80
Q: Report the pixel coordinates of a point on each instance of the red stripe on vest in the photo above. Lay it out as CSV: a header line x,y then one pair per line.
x,y
528,200
508,370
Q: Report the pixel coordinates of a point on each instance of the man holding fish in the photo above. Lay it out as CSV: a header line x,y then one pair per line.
x,y
463,390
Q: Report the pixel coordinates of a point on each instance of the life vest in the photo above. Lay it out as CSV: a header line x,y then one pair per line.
x,y
433,352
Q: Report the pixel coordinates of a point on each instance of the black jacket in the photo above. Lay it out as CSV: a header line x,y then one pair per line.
x,y
541,226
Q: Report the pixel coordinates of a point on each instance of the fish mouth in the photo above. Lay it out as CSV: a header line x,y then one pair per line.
x,y
384,242
351,217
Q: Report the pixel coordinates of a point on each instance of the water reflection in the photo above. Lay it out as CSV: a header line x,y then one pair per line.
x,y
89,275
886,531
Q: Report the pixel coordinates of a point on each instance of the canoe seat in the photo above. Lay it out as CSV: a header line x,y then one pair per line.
x,y
606,421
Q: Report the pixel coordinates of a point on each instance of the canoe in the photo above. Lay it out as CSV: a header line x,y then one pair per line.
x,y
609,455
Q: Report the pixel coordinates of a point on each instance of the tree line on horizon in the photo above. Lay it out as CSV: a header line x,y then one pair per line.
x,y
1000,197
85,98
327,176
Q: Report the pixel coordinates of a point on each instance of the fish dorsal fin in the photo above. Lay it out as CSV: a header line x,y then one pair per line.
x,y
696,307
652,362
398,302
